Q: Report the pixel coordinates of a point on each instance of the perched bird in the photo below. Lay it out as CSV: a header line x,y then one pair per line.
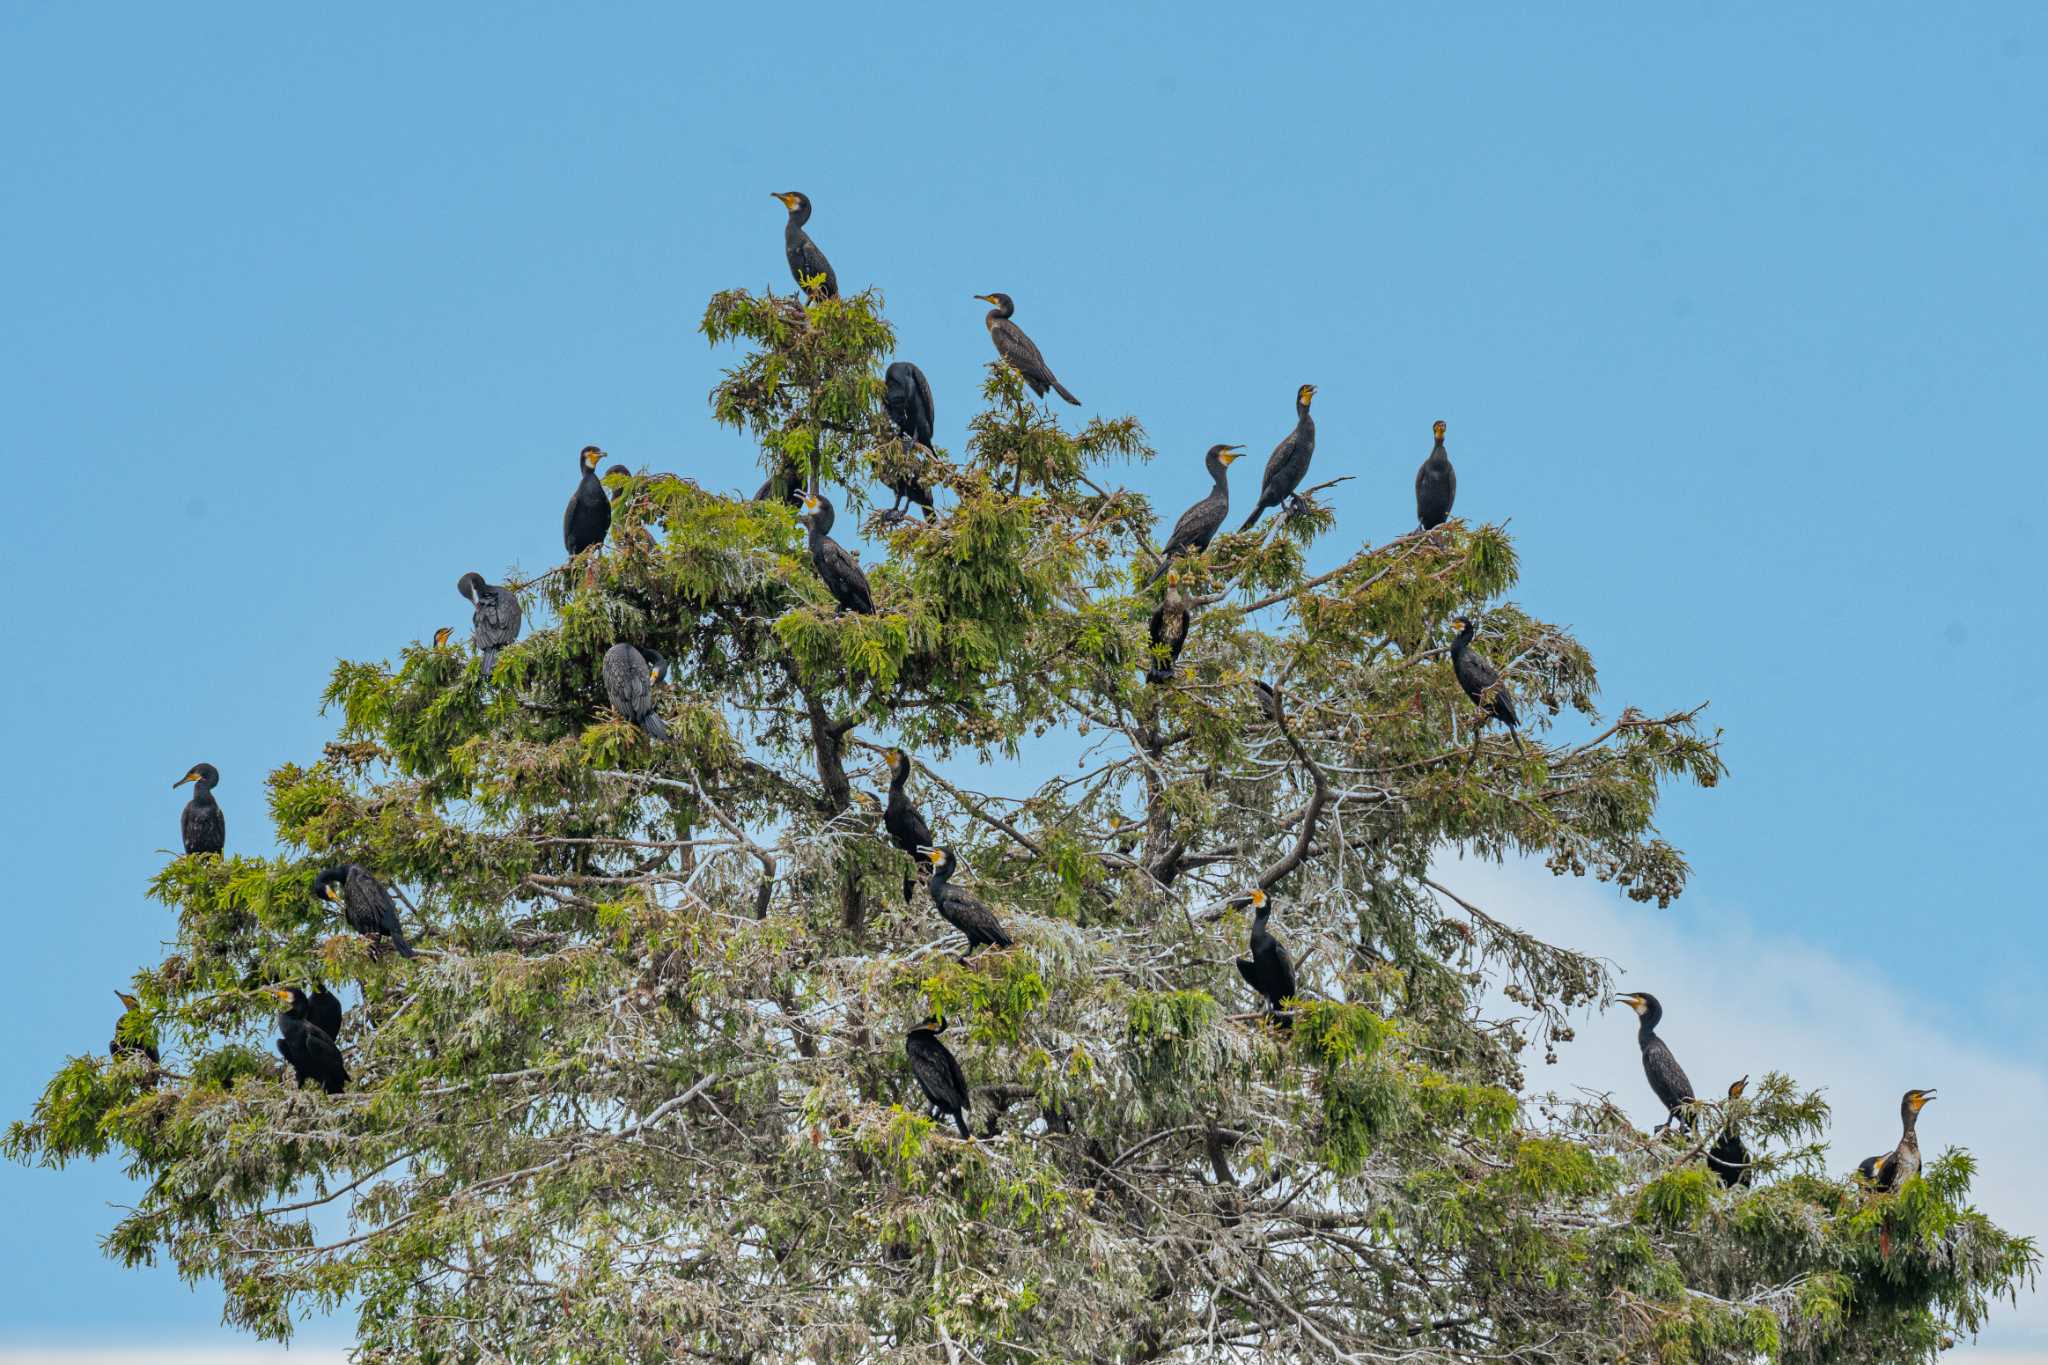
x,y
631,674
1198,525
589,513
323,1010
364,903
204,826
132,1036
1667,1077
1481,680
841,572
907,398
1436,486
806,262
441,637
1270,968
904,822
961,910
495,622
1902,1163
1168,630
1728,1158
309,1048
1287,466
1867,1169
938,1073
1018,351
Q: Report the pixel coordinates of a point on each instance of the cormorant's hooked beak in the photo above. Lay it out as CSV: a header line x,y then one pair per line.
x,y
1231,453
984,298
1924,1098
130,1001
934,856
188,777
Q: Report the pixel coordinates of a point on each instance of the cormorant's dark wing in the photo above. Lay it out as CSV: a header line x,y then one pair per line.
x,y
1666,1076
1197,526
371,909
587,517
496,618
939,1076
927,413
323,1011
205,828
1284,470
906,825
628,683
1729,1159
313,1056
973,919
1436,490
806,260
842,575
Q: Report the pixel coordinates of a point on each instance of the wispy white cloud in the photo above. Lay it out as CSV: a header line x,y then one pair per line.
x,y
1740,999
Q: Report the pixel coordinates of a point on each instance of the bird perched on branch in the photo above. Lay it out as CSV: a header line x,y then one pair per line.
x,y
806,262
203,825
309,1049
1270,968
938,1073
1436,486
1287,466
631,673
1728,1158
494,623
589,513
1167,631
904,822
907,399
1481,680
1667,1077
364,902
962,910
1198,525
132,1035
1018,351
1892,1169
840,571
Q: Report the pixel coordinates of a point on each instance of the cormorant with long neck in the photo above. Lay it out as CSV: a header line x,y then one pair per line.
x,y
1288,464
495,621
1728,1158
1667,1077
1167,631
1436,486
132,1036
806,262
1270,968
962,910
204,826
904,822
306,1046
364,902
1902,1163
1481,680
839,570
938,1073
1199,524
1018,351
631,673
589,513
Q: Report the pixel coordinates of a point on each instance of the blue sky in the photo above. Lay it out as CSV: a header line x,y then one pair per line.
x,y
1735,313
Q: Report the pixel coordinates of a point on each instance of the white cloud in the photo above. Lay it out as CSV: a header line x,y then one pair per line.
x,y
1739,1001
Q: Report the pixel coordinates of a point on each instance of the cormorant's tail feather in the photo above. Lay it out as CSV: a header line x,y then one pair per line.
x,y
1516,731
909,889
490,663
654,727
1061,390
961,1119
1253,519
398,942
1159,572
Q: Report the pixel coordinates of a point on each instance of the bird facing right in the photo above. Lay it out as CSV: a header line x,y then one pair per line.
x,y
1199,524
1287,466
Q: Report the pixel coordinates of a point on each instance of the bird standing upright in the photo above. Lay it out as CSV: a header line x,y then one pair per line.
x,y
1270,968
1018,351
132,1036
1481,680
631,674
907,399
938,1073
1436,485
806,262
1902,1163
309,1049
1167,631
1287,466
961,910
839,570
589,513
365,904
904,822
1667,1077
495,621
1728,1158
203,824
1198,525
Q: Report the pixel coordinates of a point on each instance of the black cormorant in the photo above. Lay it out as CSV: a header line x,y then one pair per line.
x,y
905,823
630,676
938,1073
1667,1077
1018,351
1436,486
841,572
1867,1169
309,1048
1270,968
1288,464
589,514
1198,525
323,1010
204,827
1481,680
495,622
961,910
1902,1163
1168,631
367,906
1728,1158
907,398
441,637
132,1035
806,262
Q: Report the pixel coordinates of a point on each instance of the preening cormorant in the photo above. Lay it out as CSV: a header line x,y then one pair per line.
x,y
309,1048
1270,968
1167,631
962,910
1728,1158
495,622
323,1011
1481,680
630,675
938,1073
589,514
806,262
204,826
1288,464
1198,525
907,398
840,571
364,902
1018,351
1902,1163
131,1034
905,823
1667,1077
1436,486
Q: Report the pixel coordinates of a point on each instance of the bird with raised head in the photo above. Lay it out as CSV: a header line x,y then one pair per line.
x,y
202,823
1287,466
1199,524
309,1049
839,570
1167,631
1894,1168
1481,680
1436,486
1270,968
631,673
364,903
494,623
960,909
1728,1158
589,513
904,822
938,1073
1018,351
806,263
132,1035
1667,1078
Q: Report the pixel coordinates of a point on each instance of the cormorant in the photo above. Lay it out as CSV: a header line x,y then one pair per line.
x,y
907,398
630,676
806,262
1288,464
1902,1163
323,1011
364,902
1667,1077
1436,486
1168,631
441,637
589,514
1728,1158
961,910
1481,680
1867,1169
495,622
204,826
309,1048
938,1073
1198,525
131,1035
841,572
1270,968
1018,351
904,822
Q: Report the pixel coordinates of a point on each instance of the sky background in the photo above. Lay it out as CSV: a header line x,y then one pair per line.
x,y
1735,313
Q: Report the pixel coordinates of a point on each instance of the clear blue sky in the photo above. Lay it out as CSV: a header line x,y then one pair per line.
x,y
1736,314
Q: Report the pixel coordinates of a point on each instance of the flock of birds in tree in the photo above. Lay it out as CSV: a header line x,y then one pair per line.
x,y
310,1025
